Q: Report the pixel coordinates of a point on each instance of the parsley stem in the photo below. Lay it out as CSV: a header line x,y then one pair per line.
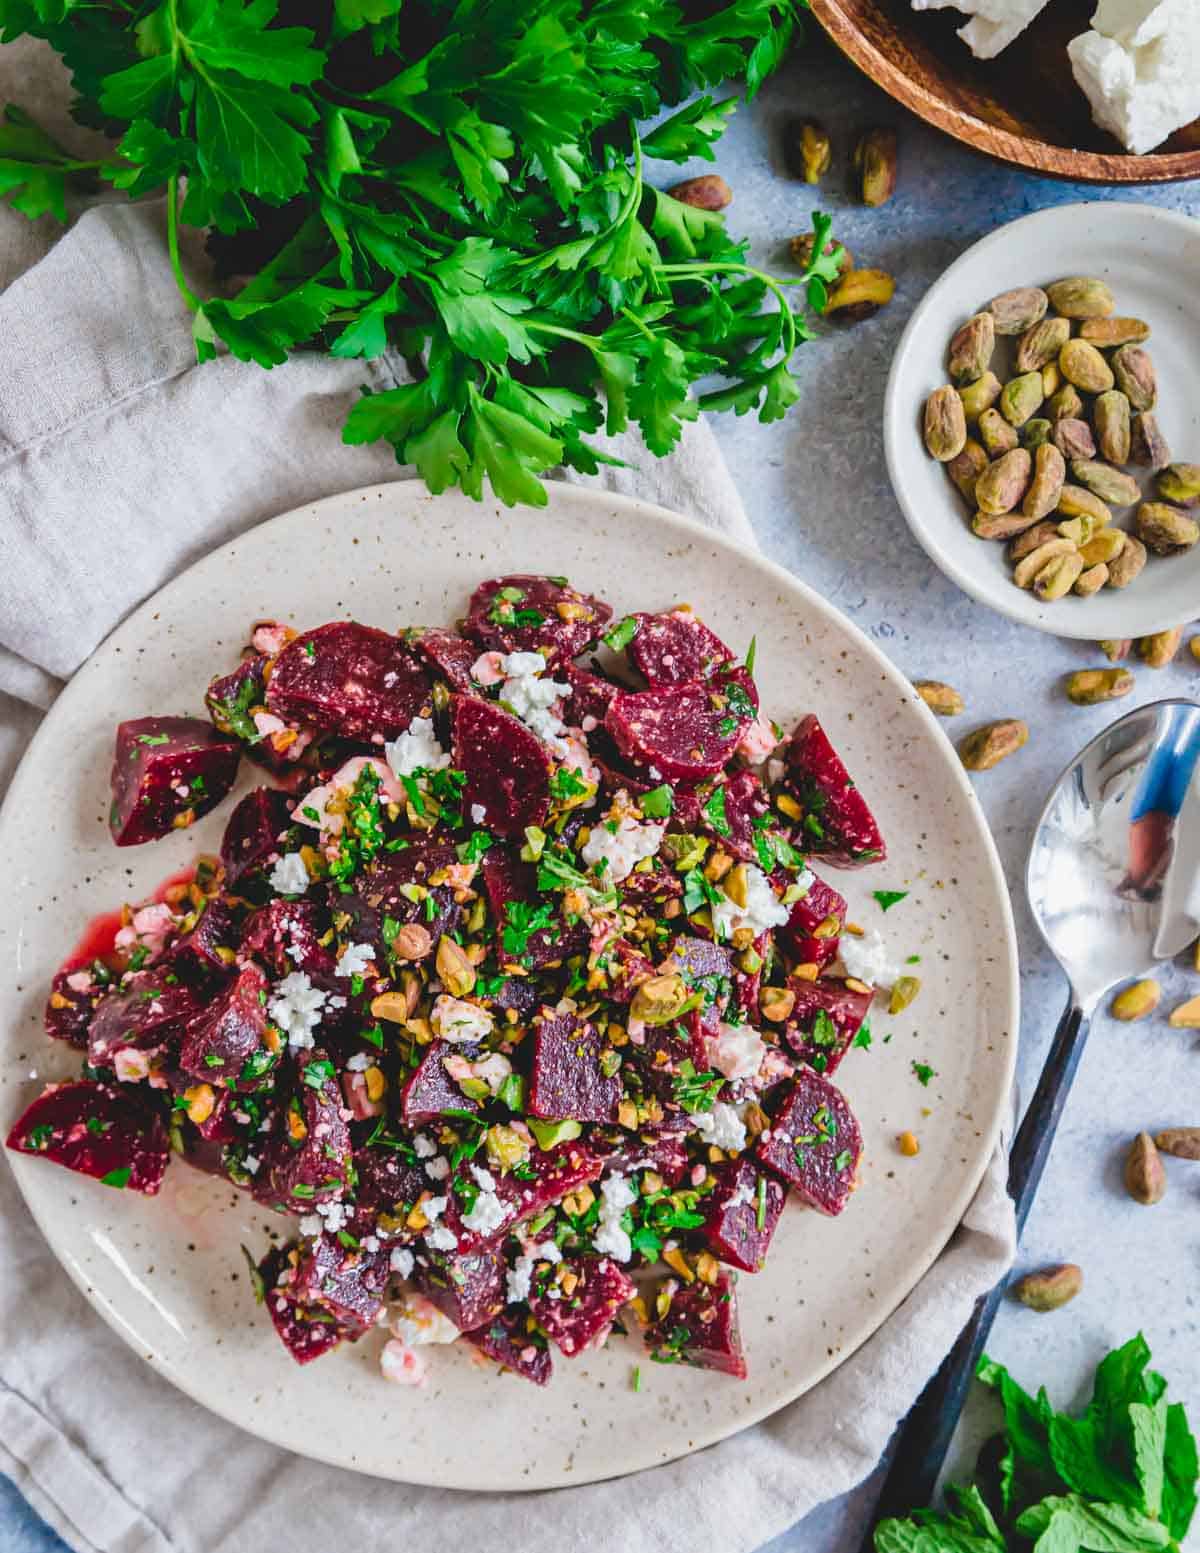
x,y
185,290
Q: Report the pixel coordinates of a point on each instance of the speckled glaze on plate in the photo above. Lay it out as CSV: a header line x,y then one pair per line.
x,y
167,1272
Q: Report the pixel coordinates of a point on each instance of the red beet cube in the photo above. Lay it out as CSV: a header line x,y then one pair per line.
x,y
582,1319
591,694
526,613
69,1009
511,888
199,953
386,1181
676,648
226,1043
286,936
308,1157
728,810
255,830
151,1011
379,893
837,823
507,1339
468,1290
704,965
741,1214
347,1282
111,1133
625,968
824,1021
507,766
666,1153
429,1091
306,1331
167,772
815,1144
449,655
700,1327
822,907
685,732
568,1077
350,680
549,1176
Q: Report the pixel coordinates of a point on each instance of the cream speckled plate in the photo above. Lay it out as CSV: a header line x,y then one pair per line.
x,y
167,1272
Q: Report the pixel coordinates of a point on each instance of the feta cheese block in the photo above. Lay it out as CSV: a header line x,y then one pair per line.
x,y
1138,68
994,23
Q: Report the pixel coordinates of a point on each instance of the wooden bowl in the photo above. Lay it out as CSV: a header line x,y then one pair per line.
x,y
1022,107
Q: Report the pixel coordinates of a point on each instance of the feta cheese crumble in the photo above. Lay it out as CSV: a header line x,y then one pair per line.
x,y
1137,67
355,960
487,1213
722,1126
455,1020
736,1051
621,851
763,908
610,1238
416,1320
867,959
296,1006
520,1277
289,875
401,1262
416,750
532,699
994,24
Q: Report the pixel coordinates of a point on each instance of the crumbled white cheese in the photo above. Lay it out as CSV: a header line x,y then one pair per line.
x,y
745,1193
416,1321
289,875
520,1277
622,850
440,1238
1138,68
335,1213
736,1051
311,1224
867,959
994,23
532,699
438,1168
359,1062
610,1238
355,960
455,1020
763,908
296,1006
484,1178
401,1364
423,1146
721,1126
416,750
486,1214
401,1262
478,814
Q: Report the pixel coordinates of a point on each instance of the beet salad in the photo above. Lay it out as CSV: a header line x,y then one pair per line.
x,y
513,985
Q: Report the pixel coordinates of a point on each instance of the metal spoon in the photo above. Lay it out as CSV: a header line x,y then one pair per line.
x,y
1114,885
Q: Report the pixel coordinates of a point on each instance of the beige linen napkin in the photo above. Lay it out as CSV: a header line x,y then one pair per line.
x,y
121,462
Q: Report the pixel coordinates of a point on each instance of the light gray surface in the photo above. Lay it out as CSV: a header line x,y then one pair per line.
x,y
817,492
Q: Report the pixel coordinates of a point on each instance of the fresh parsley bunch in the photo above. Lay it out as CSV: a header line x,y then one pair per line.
x,y
462,182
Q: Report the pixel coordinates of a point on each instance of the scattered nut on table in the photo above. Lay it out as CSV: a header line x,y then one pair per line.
x,y
1049,1288
1145,1177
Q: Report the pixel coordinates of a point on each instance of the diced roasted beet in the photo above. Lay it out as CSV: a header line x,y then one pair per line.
x,y
226,1043
700,1327
69,1009
507,1339
730,817
113,1134
567,1078
837,824
350,680
449,655
167,772
469,1290
379,893
675,649
430,1092
306,1331
651,888
507,766
286,936
519,993
253,832
590,695
665,1050
815,1144
508,881
347,1282
824,1021
625,968
821,908
525,613
665,1153
683,732
308,1157
732,1214
701,962
232,700
555,1172
746,984
152,1009
386,1179
207,947
583,1319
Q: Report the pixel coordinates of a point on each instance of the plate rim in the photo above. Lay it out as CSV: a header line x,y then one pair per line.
x,y
687,529
898,428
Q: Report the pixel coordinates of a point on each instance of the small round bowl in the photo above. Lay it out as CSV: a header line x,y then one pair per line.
x,y
1150,258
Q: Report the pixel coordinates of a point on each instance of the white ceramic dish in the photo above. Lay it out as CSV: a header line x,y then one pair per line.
x,y
1151,259
167,1272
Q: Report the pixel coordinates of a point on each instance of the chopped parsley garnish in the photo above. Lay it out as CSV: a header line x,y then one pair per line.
x,y
889,898
522,921
555,872
566,783
153,738
696,1091
751,654
41,1135
310,651
213,1060
139,957
618,637
476,844
842,1162
863,1038
362,830
699,891
714,812
118,1178
257,1282
824,1031
318,1073
389,930
658,803
923,1072
302,1189
233,714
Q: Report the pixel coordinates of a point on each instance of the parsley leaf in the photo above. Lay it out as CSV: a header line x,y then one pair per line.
x,y
889,898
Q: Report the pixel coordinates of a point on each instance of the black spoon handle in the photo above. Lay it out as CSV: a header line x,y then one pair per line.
x,y
925,1435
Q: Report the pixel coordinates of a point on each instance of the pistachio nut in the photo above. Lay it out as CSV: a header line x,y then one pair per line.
x,y
1041,345
1134,372
997,436
940,698
1129,564
1036,432
1031,564
1115,648
1000,525
1145,1177
660,999
966,468
1111,485
1179,1142
1049,473
707,192
1081,296
971,349
1088,687
1058,577
1079,531
456,971
1159,649
1180,483
808,150
1073,438
1032,539
1021,397
1091,579
1050,1288
945,424
1114,419
413,942
1002,484
860,294
1075,502
1136,1002
1186,1016
988,746
1103,547
1165,529
1052,378
801,248
1084,366
1018,310
776,1003
875,162
1065,404
1107,332
980,396
1147,445
904,992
